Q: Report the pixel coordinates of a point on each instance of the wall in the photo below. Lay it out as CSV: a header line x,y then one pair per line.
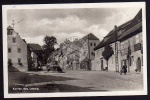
x,y
14,55
101,62
134,54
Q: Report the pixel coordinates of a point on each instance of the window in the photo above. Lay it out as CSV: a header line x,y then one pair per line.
x,y
19,50
9,32
19,60
94,44
14,40
91,44
9,60
92,53
9,50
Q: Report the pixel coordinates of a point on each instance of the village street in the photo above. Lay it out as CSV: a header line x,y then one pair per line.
x,y
95,80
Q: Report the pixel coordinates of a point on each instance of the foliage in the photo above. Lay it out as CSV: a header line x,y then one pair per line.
x,y
108,52
48,47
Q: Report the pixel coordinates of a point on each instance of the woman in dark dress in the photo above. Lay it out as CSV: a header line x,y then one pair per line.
x,y
124,69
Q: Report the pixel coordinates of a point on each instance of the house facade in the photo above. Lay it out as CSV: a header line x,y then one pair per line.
x,y
131,45
126,41
17,50
35,57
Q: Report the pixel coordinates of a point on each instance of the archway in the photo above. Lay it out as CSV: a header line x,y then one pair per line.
x,y
138,64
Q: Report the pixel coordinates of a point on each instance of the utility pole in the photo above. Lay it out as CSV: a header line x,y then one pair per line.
x,y
88,53
116,49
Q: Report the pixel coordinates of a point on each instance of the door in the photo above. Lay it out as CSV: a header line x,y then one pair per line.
x,y
138,64
101,64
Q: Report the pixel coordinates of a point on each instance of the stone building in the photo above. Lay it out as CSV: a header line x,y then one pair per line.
x,y
17,50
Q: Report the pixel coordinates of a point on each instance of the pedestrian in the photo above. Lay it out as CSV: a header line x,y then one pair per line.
x,y
124,69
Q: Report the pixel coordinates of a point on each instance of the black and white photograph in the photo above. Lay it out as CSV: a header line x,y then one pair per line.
x,y
86,49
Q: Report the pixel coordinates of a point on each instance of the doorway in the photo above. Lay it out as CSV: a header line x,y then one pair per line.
x,y
138,64
102,64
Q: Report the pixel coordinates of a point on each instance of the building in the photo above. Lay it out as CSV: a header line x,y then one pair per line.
x,y
72,52
92,41
123,39
35,55
109,39
17,50
131,45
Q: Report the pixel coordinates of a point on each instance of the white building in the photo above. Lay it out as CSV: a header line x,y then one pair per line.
x,y
17,50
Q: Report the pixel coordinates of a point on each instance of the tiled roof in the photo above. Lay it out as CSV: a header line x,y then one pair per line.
x,y
111,37
90,36
136,25
35,46
9,27
131,31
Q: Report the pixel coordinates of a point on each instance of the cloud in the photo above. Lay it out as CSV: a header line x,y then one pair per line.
x,y
64,23
97,30
61,37
37,39
46,26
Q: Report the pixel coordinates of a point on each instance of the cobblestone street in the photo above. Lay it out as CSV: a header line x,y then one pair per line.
x,y
98,80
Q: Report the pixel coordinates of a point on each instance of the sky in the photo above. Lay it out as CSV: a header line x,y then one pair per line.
x,y
34,24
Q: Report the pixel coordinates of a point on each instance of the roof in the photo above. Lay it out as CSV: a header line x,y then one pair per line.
x,y
136,25
10,28
126,30
35,46
135,29
90,36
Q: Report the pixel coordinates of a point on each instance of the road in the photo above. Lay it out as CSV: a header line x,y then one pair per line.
x,y
98,80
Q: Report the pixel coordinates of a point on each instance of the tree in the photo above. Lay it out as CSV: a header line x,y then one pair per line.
x,y
48,47
107,53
